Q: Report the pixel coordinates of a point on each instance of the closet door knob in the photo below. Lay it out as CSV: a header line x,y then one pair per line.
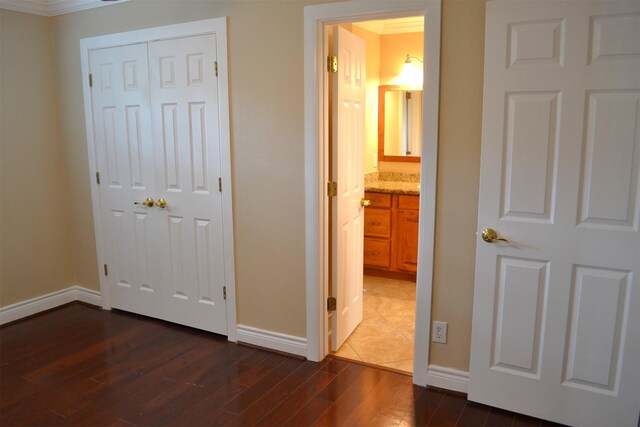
x,y
148,202
161,203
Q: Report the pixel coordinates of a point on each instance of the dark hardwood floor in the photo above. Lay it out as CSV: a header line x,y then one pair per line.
x,y
79,365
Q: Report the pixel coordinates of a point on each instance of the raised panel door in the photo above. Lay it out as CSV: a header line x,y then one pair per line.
x,y
124,155
186,134
348,92
556,313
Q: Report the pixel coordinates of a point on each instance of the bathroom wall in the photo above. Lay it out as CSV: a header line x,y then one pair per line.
x,y
384,63
394,49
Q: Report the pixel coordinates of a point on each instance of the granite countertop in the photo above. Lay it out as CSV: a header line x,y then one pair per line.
x,y
393,182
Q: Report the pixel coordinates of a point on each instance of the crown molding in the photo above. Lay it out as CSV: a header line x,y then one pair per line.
x,y
393,26
54,7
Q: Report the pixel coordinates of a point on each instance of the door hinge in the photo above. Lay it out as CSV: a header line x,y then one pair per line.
x,y
220,185
407,95
224,292
98,177
215,66
331,304
332,64
106,270
332,189
90,80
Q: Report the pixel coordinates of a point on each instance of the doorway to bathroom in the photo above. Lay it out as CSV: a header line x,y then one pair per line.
x,y
375,160
318,22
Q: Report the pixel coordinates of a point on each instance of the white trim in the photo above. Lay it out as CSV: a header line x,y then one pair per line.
x,y
54,7
316,164
187,29
51,300
448,378
88,296
272,340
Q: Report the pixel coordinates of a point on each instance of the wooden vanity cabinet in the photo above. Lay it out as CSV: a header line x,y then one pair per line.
x,y
391,236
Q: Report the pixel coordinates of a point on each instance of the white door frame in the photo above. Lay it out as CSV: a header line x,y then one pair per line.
x,y
217,26
316,163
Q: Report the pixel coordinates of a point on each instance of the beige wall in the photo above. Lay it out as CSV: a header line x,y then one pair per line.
x,y
267,137
35,249
461,75
267,133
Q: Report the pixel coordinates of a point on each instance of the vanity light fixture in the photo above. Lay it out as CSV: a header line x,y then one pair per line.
x,y
411,74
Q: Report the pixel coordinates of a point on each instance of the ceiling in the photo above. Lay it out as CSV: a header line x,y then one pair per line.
x,y
412,24
54,7
58,7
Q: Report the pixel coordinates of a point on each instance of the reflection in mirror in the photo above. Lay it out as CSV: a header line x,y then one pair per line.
x,y
399,123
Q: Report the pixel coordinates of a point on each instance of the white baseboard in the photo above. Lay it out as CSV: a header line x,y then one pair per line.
x,y
42,303
88,296
273,340
448,378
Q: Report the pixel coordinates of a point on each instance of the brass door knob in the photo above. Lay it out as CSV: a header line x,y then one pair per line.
x,y
490,235
364,202
161,203
148,202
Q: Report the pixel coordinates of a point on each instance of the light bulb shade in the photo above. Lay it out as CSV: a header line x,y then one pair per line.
x,y
411,74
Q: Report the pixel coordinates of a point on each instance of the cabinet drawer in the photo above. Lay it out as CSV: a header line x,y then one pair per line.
x,y
378,200
377,252
408,202
377,223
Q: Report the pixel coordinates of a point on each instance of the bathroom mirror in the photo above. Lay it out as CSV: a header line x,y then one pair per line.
x,y
399,123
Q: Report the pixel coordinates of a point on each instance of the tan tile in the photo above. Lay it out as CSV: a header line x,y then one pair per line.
x,y
386,306
385,335
402,365
377,322
403,324
347,351
375,346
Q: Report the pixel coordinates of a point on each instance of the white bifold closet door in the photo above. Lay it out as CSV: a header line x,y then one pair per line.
x,y
157,135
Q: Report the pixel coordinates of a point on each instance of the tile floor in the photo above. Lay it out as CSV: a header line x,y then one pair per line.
x,y
385,336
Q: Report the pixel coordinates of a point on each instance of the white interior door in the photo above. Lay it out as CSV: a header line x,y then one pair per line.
x,y
125,161
348,92
186,134
556,321
156,127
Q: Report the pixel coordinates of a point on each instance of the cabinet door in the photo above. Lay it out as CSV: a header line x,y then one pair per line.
x,y
407,240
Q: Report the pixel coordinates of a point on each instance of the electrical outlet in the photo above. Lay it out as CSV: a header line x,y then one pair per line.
x,y
439,332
